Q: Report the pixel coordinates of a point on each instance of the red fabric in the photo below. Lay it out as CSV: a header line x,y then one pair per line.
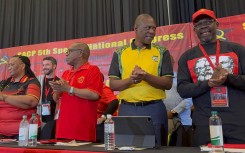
x,y
107,96
31,150
77,119
10,116
235,146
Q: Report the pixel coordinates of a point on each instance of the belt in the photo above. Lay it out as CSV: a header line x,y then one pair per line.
x,y
141,103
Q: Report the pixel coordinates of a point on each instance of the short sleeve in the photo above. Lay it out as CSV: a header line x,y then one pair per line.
x,y
167,67
114,70
34,88
95,82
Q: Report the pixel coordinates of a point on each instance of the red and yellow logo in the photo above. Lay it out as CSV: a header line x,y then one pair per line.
x,y
80,79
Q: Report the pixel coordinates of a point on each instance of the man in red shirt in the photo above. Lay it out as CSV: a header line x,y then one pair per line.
x,y
79,90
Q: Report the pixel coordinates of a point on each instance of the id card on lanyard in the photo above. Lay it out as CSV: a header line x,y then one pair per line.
x,y
218,95
46,105
46,108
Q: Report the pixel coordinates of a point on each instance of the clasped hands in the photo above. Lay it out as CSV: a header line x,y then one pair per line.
x,y
219,76
59,86
137,75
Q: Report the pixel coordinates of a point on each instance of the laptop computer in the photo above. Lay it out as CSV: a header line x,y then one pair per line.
x,y
134,131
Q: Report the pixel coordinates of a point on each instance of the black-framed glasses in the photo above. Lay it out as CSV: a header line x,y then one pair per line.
x,y
71,50
203,23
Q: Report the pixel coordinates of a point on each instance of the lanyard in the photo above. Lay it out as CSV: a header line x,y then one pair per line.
x,y
46,88
207,57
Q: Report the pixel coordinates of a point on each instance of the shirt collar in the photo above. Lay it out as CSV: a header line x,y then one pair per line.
x,y
22,80
133,46
82,67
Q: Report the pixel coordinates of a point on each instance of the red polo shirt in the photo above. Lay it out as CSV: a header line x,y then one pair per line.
x,y
107,96
10,116
77,119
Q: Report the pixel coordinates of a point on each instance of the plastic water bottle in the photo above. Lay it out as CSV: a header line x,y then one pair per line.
x,y
33,127
216,133
23,132
109,137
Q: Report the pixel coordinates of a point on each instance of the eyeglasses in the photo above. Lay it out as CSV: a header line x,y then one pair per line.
x,y
71,50
203,23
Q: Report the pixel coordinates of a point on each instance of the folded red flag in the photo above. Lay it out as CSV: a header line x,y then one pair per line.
x,y
235,146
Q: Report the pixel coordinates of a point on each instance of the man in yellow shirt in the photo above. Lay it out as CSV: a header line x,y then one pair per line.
x,y
142,71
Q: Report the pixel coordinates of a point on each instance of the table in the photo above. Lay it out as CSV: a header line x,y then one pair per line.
x,y
89,148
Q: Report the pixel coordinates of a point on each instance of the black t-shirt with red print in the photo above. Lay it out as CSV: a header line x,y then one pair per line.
x,y
194,71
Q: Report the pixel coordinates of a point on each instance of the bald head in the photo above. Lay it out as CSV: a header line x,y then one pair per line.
x,y
142,18
77,54
83,46
145,30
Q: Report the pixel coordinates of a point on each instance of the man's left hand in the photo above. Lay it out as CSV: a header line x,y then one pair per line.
x,y
138,74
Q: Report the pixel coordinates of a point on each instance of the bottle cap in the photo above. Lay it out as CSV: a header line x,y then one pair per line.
x,y
34,114
24,117
214,113
108,116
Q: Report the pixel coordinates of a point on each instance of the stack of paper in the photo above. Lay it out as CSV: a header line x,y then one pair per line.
x,y
233,148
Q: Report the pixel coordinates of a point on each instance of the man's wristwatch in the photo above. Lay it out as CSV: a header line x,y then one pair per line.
x,y
71,91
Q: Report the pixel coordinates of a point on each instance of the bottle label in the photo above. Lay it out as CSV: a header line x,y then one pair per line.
x,y
33,131
109,128
23,132
216,135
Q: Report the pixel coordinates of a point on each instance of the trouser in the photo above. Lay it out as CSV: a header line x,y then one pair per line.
x,y
100,133
158,113
184,134
48,130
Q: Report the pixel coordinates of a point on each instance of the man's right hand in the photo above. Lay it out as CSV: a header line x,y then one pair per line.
x,y
219,77
137,75
217,82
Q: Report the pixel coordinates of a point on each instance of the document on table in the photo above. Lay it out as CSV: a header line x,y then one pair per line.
x,y
229,148
72,143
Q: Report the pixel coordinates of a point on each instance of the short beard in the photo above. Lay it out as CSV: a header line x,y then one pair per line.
x,y
49,72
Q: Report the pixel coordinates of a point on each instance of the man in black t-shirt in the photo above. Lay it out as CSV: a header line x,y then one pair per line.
x,y
213,74
47,105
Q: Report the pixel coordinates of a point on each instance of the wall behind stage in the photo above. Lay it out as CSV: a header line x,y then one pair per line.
x,y
177,38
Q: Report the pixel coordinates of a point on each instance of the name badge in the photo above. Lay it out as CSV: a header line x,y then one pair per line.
x,y
219,96
46,109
